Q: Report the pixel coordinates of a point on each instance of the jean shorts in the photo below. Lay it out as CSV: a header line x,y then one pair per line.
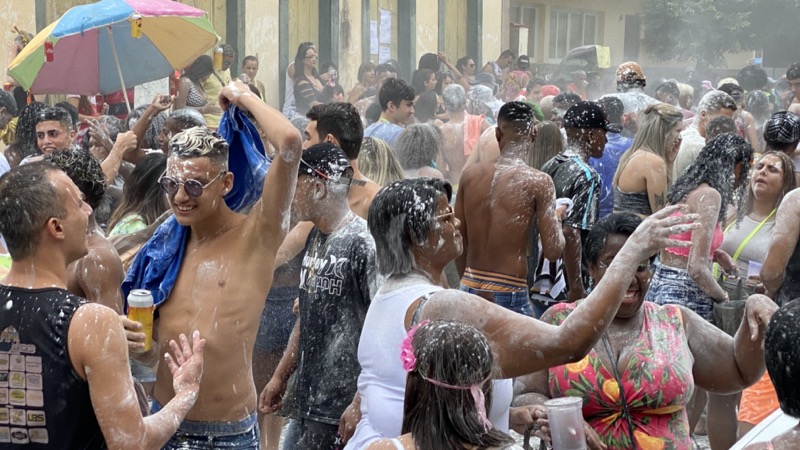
x,y
512,301
671,286
192,435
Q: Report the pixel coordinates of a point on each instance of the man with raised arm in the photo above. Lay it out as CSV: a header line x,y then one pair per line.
x,y
497,204
226,270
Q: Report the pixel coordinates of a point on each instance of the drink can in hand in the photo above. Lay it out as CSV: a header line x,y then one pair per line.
x,y
140,309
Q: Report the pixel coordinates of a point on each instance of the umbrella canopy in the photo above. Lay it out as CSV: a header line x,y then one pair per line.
x,y
92,47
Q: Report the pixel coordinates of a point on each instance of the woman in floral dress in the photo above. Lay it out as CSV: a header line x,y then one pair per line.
x,y
638,378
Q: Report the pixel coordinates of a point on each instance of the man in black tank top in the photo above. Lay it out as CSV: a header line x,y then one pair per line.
x,y
64,373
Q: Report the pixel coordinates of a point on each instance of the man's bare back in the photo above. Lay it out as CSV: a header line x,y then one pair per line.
x,y
499,201
98,275
453,150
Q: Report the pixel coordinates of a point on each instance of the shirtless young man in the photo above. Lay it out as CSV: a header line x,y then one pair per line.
x,y
461,133
226,271
497,204
98,275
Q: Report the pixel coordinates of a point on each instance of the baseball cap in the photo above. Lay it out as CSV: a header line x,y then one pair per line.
x,y
589,115
523,61
327,162
783,127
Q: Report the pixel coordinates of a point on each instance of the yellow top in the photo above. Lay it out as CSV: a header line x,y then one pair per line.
x,y
212,87
9,132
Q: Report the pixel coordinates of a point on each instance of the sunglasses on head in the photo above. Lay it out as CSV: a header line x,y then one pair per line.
x,y
340,180
192,187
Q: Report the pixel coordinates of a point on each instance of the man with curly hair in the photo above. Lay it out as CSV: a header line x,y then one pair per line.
x,y
98,275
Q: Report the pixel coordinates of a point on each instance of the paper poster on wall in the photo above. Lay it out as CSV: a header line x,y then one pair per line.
x,y
384,54
143,94
386,26
373,37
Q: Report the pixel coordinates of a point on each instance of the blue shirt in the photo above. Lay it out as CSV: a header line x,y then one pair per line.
x,y
384,131
606,166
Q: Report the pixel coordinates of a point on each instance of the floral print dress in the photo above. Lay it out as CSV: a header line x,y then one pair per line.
x,y
657,383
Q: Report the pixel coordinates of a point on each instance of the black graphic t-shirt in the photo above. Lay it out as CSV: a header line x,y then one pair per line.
x,y
337,281
576,180
43,402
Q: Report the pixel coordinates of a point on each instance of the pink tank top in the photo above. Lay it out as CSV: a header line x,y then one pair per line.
x,y
716,240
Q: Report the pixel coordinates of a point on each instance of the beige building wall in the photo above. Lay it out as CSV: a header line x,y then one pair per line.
x,y
493,29
349,43
610,30
427,24
14,14
261,39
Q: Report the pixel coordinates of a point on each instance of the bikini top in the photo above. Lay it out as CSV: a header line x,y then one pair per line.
x,y
716,240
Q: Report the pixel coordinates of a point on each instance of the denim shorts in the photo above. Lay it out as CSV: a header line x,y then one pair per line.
x,y
191,435
671,286
513,301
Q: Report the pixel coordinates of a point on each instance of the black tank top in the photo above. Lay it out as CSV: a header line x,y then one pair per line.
x,y
42,399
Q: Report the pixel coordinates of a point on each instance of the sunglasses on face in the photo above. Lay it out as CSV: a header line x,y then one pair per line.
x,y
193,188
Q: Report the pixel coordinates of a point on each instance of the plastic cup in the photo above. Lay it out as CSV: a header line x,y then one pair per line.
x,y
566,423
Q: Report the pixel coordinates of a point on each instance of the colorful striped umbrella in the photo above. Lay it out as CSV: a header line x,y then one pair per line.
x,y
107,46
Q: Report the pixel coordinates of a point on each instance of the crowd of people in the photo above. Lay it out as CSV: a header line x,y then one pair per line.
x,y
405,264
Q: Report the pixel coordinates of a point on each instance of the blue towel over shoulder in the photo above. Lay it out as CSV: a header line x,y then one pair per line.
x,y
157,264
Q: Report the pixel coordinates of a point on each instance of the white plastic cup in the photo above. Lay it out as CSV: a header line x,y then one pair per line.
x,y
565,416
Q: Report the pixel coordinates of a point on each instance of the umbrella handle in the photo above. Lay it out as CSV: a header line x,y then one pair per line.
x,y
119,69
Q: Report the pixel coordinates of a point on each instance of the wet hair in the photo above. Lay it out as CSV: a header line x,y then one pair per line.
x,y
655,124
508,53
454,98
782,356
363,69
518,115
330,91
24,144
400,217
343,122
249,58
395,91
85,171
228,50
142,194
153,130
7,101
198,142
72,110
715,166
713,102
419,78
385,68
752,77
734,90
378,162
793,72
567,99
417,145
187,118
429,61
112,125
615,223
300,123
685,90
613,108
719,125
444,418
28,199
54,113
425,107
440,78
535,81
461,64
299,57
757,103
669,87
547,145
202,67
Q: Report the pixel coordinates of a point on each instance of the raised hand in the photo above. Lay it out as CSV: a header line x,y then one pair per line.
x,y
187,363
654,233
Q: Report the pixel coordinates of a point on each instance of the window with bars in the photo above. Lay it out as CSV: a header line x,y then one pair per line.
x,y
570,29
